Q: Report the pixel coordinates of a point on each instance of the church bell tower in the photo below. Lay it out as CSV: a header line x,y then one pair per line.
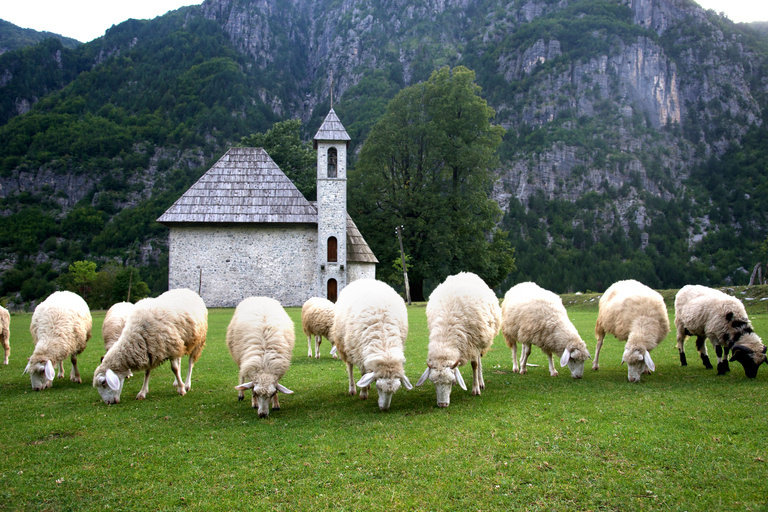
x,y
331,143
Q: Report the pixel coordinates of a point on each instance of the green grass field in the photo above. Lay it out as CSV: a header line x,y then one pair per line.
x,y
683,439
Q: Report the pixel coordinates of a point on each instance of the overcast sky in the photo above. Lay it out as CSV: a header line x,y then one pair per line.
x,y
85,20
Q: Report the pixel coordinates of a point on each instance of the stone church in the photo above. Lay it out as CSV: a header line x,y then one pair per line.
x,y
244,229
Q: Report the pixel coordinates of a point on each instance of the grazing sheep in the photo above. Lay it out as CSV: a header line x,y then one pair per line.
x,y
532,315
5,332
463,317
113,324
167,327
708,313
316,319
636,314
370,325
60,328
751,353
260,338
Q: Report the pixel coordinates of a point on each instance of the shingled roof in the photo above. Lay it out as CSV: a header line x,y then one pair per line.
x,y
357,248
245,185
331,129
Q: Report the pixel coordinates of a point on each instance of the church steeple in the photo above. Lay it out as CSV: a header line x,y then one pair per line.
x,y
331,142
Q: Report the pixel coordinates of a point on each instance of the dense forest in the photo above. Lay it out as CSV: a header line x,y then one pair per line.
x,y
598,178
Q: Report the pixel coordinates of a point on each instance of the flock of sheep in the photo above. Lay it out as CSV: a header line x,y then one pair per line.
x,y
368,327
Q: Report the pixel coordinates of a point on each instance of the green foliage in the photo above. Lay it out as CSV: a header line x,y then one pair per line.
x,y
427,165
295,158
80,278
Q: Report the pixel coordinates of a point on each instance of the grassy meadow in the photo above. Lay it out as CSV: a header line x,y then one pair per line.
x,y
683,439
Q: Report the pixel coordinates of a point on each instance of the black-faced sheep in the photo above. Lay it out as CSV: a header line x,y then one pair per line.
x,y
60,328
636,314
370,326
5,332
708,313
171,326
260,338
751,353
532,315
316,320
463,317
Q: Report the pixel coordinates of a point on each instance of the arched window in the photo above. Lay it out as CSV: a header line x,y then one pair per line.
x,y
332,290
332,252
332,162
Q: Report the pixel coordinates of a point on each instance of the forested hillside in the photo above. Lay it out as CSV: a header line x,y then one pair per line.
x,y
635,140
14,38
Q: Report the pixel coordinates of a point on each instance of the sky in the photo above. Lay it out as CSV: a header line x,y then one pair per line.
x,y
85,20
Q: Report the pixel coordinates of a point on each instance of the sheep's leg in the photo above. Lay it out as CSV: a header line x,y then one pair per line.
x,y
552,371
722,362
61,369
476,376
318,340
240,392
309,345
600,337
513,346
144,387
6,348
364,390
188,383
352,389
176,369
74,375
275,402
526,352
681,335
701,346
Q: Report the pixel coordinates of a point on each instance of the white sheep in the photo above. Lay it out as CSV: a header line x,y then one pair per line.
x,y
370,326
113,324
5,332
260,338
463,317
751,353
708,313
167,327
316,320
636,314
60,328
532,315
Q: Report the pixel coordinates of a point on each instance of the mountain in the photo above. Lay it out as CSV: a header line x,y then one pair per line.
x,y
635,144
13,37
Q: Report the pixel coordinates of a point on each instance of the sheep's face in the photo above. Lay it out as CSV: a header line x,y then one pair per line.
x,y
41,375
750,357
109,385
386,387
574,359
262,396
638,362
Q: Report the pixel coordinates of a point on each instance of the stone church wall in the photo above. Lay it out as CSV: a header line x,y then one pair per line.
x,y
237,262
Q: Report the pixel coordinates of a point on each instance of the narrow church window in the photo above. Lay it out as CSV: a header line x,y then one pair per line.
x,y
332,257
331,162
332,290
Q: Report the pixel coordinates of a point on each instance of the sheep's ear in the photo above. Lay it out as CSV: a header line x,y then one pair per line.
x,y
333,350
424,377
113,381
243,387
649,361
283,389
50,373
366,380
565,357
459,379
406,382
728,316
455,365
26,369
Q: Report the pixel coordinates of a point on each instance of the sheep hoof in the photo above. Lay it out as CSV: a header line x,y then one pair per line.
x,y
683,360
240,398
722,368
595,367
705,360
76,379
553,374
141,396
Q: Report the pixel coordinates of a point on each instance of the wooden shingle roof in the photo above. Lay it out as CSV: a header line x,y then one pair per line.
x,y
332,129
245,185
357,248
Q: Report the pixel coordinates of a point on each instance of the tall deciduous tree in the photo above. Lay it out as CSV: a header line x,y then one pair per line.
x,y
428,166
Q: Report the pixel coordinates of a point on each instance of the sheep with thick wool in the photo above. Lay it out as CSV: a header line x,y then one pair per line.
x,y
60,328
260,338
531,315
317,320
5,332
170,326
708,313
636,314
113,324
463,317
370,325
